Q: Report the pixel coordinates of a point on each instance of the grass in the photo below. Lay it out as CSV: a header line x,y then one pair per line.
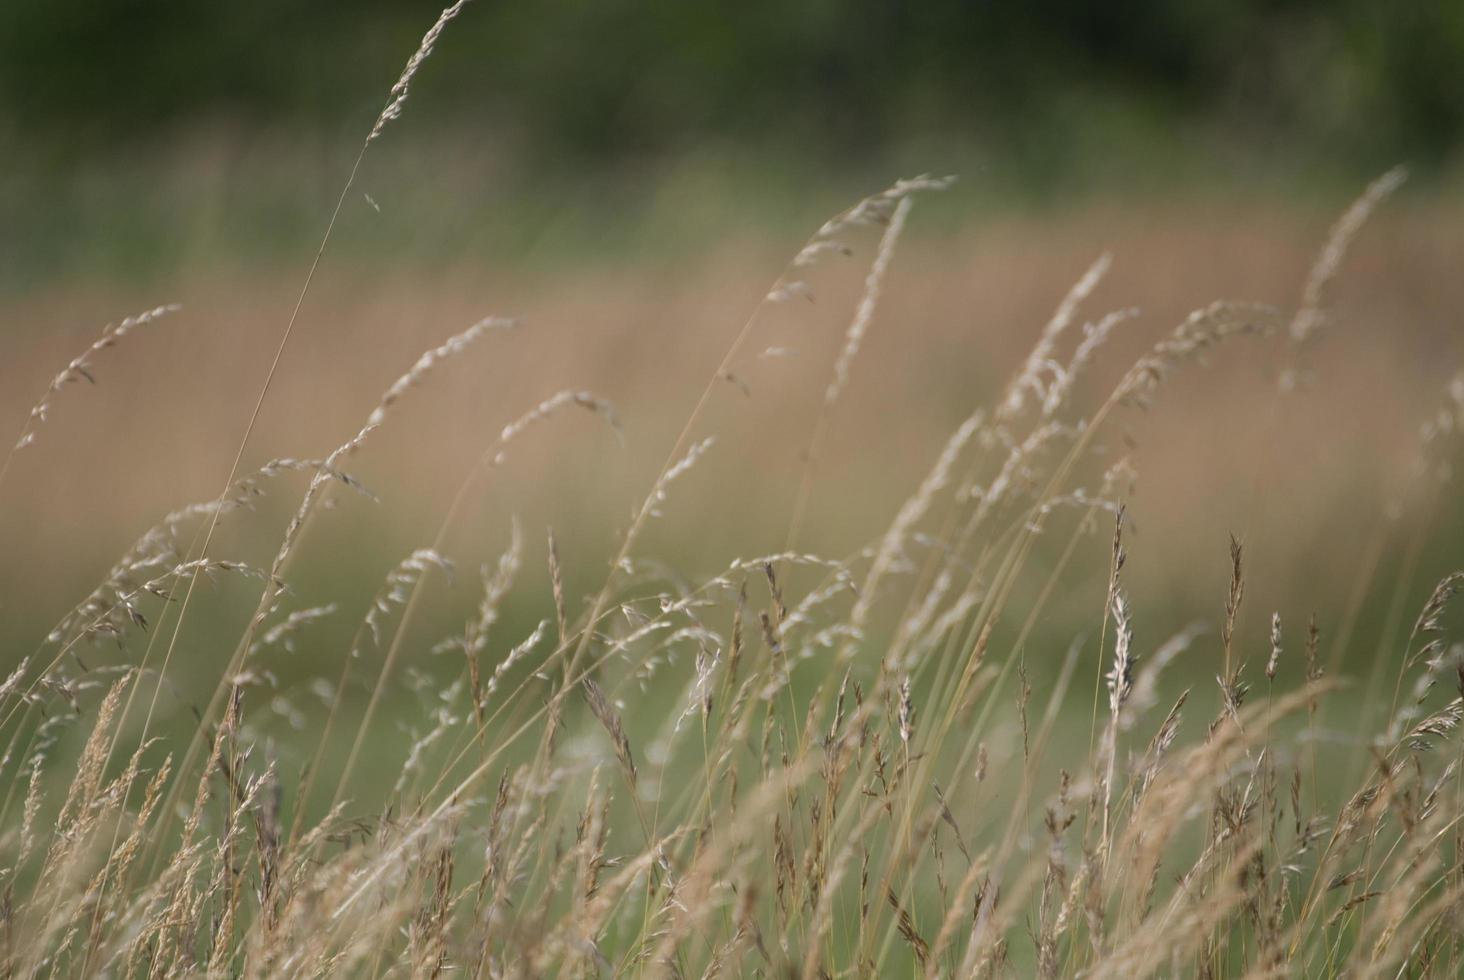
x,y
883,761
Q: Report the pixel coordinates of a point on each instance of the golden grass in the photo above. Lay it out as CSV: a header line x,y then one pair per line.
x,y
816,796
867,761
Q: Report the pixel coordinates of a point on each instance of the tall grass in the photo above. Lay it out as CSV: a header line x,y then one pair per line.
x,y
806,765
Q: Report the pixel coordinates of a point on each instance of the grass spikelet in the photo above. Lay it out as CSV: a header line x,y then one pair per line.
x,y
609,719
547,408
80,369
892,544
879,209
285,633
413,376
907,713
677,470
497,581
1439,725
1275,659
1201,331
1094,336
393,108
1429,620
1232,599
1158,748
1041,360
1311,315
514,657
430,360
864,313
1120,677
399,583
556,579
908,932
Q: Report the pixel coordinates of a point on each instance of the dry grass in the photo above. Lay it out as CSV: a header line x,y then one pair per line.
x,y
862,763
816,797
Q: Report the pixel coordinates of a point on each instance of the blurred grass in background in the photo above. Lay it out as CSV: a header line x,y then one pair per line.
x,y
630,178
145,136
569,85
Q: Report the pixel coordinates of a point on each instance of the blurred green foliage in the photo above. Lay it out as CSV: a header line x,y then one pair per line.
x,y
578,83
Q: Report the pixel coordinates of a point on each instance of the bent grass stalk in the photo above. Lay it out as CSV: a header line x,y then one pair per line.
x,y
389,112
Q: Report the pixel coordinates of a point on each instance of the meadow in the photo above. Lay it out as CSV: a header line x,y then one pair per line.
x,y
1005,595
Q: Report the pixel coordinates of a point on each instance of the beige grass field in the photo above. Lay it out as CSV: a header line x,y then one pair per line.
x,y
951,593
958,315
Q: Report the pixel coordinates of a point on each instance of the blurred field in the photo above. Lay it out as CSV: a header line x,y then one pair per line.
x,y
1301,475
